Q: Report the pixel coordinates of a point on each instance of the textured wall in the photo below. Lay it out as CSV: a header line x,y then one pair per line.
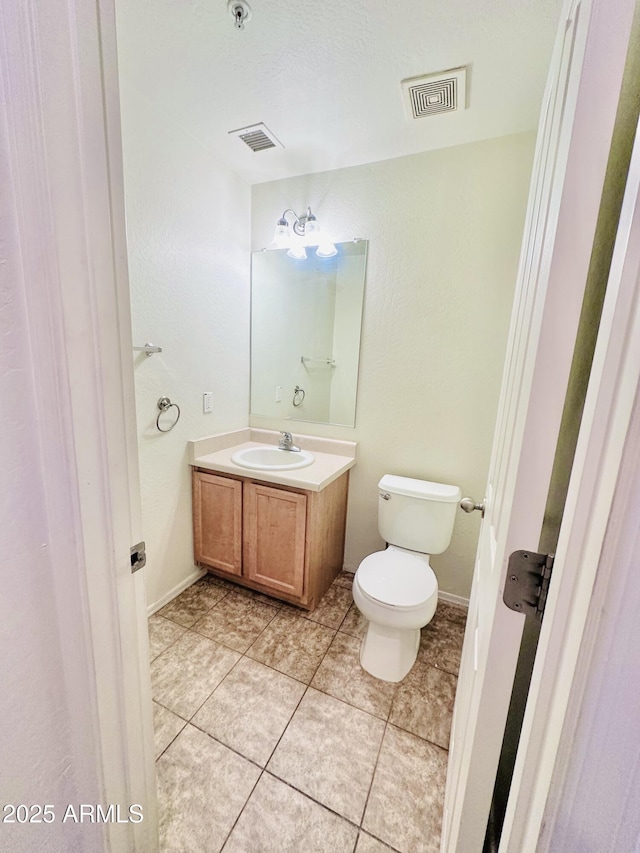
x,y
445,230
188,235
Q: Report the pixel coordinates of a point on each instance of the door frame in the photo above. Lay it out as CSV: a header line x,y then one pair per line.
x,y
70,194
573,611
61,108
600,47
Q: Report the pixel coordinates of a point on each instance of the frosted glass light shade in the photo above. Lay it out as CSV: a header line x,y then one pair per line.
x,y
280,237
326,250
312,233
297,251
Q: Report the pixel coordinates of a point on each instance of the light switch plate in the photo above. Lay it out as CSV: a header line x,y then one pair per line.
x,y
207,402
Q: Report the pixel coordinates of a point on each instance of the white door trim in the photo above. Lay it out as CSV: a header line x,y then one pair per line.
x,y
613,387
60,91
589,58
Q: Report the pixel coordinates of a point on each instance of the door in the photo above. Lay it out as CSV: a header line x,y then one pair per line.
x,y
62,115
570,161
274,538
217,522
596,555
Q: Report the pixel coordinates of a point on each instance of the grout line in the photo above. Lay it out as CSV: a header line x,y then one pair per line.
x,y
240,813
309,797
255,640
209,695
186,723
198,618
348,704
304,693
373,775
222,642
172,643
226,746
307,687
169,709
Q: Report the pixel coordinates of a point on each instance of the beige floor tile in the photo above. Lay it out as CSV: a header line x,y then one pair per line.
x,y
202,788
369,844
354,623
162,633
185,674
250,709
423,704
405,804
257,596
166,726
452,612
194,602
344,579
292,645
278,819
235,621
329,751
333,607
341,675
441,645
223,583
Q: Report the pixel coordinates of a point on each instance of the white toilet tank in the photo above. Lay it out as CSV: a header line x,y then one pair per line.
x,y
417,514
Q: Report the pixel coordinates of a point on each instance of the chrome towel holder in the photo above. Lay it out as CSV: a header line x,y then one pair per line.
x,y
148,348
164,404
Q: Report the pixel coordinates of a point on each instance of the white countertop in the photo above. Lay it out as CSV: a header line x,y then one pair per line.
x,y
331,458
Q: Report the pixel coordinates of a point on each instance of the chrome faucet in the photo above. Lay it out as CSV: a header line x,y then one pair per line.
x,y
286,442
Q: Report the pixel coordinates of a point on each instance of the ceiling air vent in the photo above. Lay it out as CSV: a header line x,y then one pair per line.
x,y
257,136
435,93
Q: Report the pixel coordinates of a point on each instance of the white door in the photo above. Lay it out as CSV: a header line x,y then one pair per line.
x,y
570,161
62,112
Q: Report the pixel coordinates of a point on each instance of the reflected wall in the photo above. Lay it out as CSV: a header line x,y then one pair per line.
x,y
306,318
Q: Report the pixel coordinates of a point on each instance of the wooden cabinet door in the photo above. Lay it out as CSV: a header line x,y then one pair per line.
x,y
217,522
274,538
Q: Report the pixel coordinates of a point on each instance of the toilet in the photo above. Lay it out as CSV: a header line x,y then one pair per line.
x,y
396,589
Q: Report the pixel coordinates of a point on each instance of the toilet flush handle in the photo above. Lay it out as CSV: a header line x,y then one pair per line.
x,y
468,505
385,496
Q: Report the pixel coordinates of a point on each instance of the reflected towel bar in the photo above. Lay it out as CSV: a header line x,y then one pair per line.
x,y
331,362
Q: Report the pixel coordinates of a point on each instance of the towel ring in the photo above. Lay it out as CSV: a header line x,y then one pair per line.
x,y
298,396
164,404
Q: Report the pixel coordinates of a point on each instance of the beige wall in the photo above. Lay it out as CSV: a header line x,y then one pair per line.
x,y
188,236
444,230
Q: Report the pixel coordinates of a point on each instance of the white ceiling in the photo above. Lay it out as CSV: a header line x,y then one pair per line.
x,y
325,76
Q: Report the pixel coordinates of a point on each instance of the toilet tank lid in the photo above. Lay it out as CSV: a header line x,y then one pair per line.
x,y
420,489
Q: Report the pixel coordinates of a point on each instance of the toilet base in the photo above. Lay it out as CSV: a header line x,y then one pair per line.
x,y
389,653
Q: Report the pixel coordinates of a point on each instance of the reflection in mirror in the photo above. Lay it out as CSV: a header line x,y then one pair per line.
x,y
305,334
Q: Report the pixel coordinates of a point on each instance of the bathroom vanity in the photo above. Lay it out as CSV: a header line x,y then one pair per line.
x,y
280,532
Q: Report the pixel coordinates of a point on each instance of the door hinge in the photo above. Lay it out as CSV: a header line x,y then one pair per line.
x,y
138,557
527,583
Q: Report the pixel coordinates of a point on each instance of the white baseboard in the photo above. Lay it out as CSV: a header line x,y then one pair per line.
x,y
454,599
195,575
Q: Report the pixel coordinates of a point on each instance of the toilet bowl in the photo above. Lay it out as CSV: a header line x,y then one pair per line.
x,y
396,589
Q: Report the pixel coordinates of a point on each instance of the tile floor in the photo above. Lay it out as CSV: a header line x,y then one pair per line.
x,y
271,737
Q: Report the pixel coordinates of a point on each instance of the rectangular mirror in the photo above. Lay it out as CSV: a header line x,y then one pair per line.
x,y
306,317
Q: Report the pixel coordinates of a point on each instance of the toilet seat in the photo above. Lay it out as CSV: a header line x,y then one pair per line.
x,y
396,579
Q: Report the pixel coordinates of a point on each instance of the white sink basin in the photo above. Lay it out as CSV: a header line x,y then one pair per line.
x,y
271,459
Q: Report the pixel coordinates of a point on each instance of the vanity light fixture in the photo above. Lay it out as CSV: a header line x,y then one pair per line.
x,y
304,231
